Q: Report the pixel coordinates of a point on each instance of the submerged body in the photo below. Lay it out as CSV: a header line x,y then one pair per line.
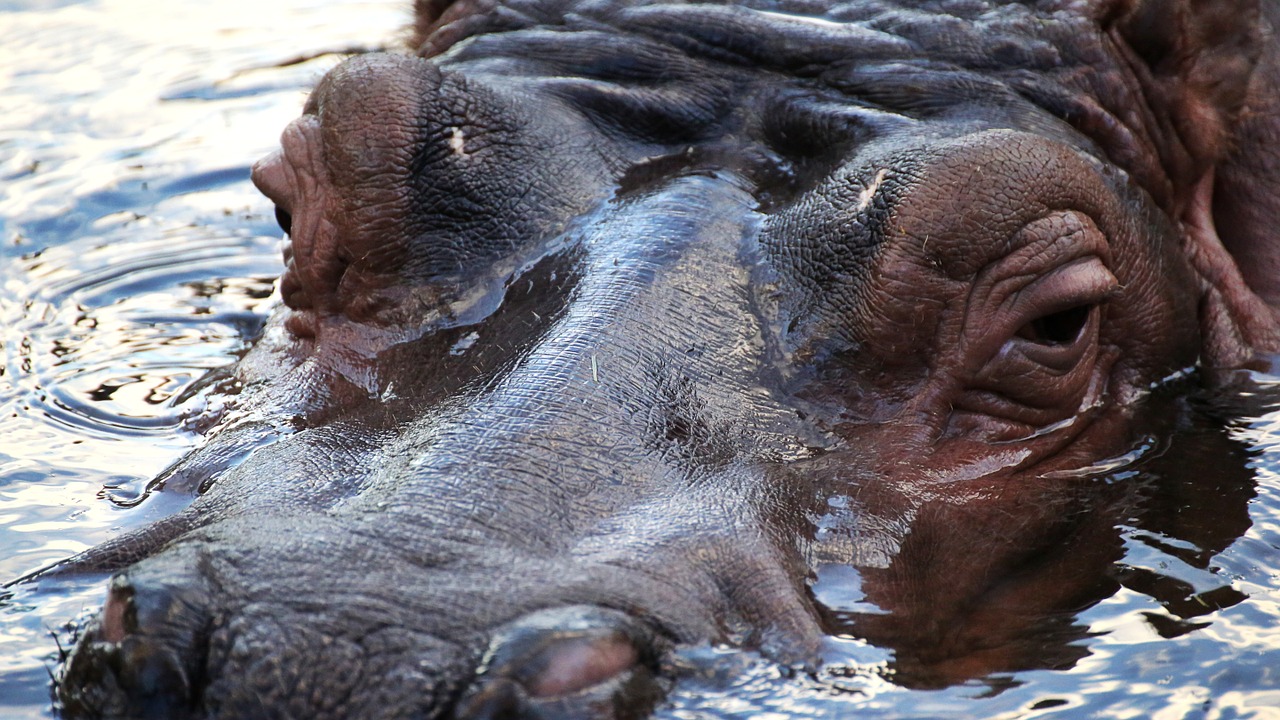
x,y
591,310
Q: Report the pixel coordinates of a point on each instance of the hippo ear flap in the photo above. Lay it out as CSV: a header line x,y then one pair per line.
x,y
1199,55
1210,70
438,24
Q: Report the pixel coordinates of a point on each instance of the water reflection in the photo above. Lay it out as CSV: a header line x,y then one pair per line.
x,y
1115,593
980,589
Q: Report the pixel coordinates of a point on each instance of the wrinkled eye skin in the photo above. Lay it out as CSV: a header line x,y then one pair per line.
x,y
969,308
1041,308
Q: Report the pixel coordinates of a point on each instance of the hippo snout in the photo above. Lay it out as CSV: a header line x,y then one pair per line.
x,y
189,635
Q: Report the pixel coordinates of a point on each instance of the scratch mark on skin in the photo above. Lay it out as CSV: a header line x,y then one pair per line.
x,y
457,142
868,193
595,370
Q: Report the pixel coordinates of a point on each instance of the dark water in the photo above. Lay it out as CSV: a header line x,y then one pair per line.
x,y
135,255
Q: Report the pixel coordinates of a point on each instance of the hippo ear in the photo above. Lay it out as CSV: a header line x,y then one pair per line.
x,y
1199,56
438,24
1246,194
1211,73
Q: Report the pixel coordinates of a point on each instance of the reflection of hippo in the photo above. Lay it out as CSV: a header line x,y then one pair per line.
x,y
610,328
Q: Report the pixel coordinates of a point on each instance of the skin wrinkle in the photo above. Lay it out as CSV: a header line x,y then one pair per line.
x,y
1049,61
300,161
1135,85
527,430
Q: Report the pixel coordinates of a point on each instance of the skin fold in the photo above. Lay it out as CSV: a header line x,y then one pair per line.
x,y
612,328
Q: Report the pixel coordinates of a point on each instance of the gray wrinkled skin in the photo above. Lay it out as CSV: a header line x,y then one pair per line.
x,y
590,307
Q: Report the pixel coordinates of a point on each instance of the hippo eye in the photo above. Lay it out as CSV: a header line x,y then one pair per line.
x,y
1057,317
1039,345
1059,328
285,220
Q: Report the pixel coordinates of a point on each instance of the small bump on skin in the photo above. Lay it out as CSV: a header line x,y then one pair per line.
x,y
457,142
869,193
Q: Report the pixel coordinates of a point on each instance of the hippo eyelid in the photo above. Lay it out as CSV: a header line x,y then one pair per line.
x,y
1056,318
1054,303
1061,321
1036,322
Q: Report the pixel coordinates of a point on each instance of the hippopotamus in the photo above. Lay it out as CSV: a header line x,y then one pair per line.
x,y
609,328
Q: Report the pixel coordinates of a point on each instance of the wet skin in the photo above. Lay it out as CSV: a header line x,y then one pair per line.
x,y
609,329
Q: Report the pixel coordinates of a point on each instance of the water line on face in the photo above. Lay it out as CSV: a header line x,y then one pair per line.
x,y
1109,467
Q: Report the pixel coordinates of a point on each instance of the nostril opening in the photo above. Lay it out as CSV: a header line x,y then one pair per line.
x,y
560,651
285,220
570,661
574,664
118,612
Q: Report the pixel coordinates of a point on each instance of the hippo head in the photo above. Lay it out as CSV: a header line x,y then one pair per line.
x,y
608,328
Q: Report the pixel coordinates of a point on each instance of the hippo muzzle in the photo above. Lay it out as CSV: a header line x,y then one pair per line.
x,y
526,535
589,320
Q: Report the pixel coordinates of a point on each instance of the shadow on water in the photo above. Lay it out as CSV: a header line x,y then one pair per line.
x,y
135,257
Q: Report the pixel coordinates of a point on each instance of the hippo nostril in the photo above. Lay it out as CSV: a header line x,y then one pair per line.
x,y
571,664
567,662
137,674
145,654
285,220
